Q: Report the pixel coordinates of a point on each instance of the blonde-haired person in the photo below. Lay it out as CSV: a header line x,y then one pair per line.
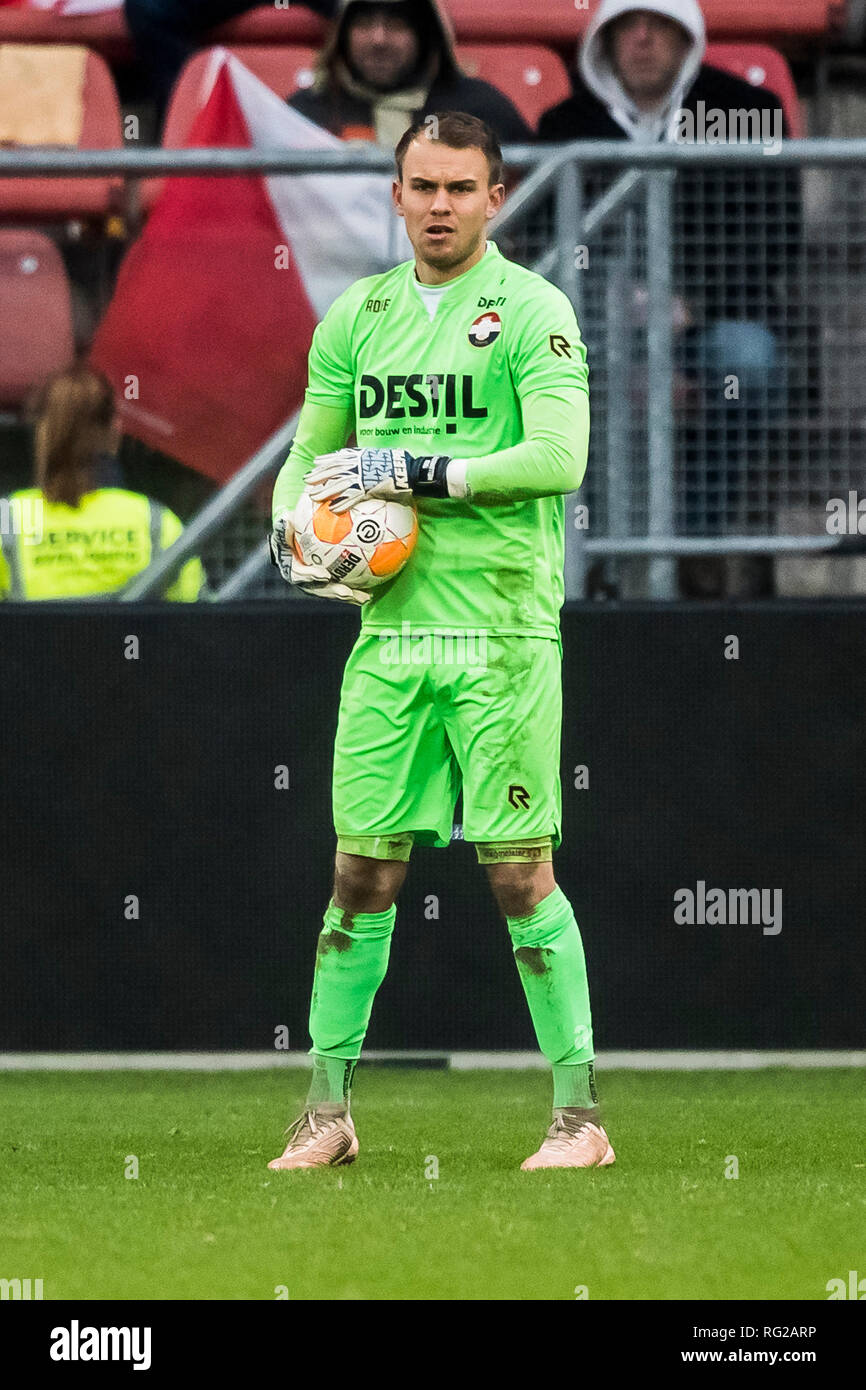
x,y
76,534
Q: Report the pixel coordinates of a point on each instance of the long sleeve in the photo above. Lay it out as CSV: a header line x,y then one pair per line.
x,y
550,460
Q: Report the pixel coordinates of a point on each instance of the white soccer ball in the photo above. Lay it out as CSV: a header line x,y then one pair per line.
x,y
362,547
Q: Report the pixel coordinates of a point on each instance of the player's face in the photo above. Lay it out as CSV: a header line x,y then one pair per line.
x,y
447,201
383,49
647,52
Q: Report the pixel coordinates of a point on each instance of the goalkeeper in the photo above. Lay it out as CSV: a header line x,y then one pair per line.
x,y
463,377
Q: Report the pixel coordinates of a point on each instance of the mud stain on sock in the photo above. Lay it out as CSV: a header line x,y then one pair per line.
x,y
533,958
334,940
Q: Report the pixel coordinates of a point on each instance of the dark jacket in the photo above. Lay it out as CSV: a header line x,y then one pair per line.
x,y
340,112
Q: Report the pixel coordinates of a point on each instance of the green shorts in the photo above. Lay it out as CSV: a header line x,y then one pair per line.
x,y
423,718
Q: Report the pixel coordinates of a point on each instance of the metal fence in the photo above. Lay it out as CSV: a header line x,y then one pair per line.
x,y
722,297
721,292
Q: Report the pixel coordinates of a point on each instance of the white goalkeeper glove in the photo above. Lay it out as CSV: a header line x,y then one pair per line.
x,y
311,579
342,479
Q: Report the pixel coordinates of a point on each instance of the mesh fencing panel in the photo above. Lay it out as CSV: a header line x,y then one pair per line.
x,y
768,333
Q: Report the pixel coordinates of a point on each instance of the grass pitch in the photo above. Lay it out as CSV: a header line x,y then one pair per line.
x,y
205,1219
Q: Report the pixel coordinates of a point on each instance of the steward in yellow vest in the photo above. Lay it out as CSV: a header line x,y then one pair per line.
x,y
53,551
75,535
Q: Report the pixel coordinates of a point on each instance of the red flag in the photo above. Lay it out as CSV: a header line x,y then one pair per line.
x,y
206,337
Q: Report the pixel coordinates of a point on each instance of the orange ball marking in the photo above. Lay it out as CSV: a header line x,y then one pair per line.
x,y
331,526
388,557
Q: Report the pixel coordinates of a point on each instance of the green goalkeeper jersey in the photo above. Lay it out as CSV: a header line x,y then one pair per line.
x,y
503,347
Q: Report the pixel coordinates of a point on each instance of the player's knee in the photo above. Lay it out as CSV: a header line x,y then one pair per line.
x,y
367,885
519,888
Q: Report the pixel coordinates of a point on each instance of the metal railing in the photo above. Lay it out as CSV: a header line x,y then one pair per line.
x,y
682,460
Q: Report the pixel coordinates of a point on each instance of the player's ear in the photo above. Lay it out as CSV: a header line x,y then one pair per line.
x,y
397,195
495,199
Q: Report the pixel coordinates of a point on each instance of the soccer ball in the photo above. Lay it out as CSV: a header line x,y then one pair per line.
x,y
362,547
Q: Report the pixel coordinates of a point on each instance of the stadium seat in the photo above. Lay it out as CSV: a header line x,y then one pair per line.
x,y
534,77
53,199
283,68
763,67
105,33
35,310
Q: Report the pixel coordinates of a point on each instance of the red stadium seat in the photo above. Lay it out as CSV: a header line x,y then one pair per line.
x,y
283,68
534,77
58,198
104,33
763,67
35,310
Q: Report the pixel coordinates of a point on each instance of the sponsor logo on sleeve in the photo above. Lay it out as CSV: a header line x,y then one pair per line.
x,y
559,345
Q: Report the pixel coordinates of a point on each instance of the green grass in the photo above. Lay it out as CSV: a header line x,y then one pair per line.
x,y
205,1219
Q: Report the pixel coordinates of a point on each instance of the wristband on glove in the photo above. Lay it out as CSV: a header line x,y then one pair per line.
x,y
428,474
438,476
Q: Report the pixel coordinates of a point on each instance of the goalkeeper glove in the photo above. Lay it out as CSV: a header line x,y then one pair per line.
x,y
311,579
342,479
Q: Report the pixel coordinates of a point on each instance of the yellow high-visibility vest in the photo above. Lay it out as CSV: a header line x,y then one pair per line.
x,y
51,551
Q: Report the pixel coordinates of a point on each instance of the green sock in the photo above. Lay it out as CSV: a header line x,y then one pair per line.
x,y
574,1086
351,962
549,955
331,1083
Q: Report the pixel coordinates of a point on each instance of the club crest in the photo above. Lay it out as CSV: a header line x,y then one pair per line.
x,y
485,330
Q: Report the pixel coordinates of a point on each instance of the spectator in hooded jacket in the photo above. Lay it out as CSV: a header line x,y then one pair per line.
x,y
386,64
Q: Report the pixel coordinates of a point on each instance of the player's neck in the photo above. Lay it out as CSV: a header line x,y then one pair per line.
x,y
432,275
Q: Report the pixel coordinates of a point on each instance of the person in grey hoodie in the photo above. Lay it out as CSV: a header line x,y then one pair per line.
x,y
737,235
